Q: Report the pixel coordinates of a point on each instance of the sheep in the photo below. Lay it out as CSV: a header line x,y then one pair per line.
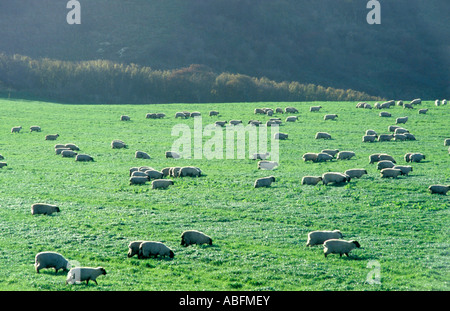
x,y
138,173
172,154
336,246
2,157
315,108
291,119
416,101
235,122
360,105
160,115
213,113
118,144
151,116
280,136
322,135
319,237
309,156
384,156
16,129
161,183
385,114
369,138
323,157
392,128
68,153
345,155
264,182
279,110
311,180
416,157
195,114
406,169
273,122
138,180
220,123
375,157
385,137
124,118
355,172
141,155
409,106
59,150
259,111
382,164
174,171
190,237
444,102
260,156
84,158
377,105
290,110
254,122
35,128
423,111
367,106
154,174
267,165
152,248
51,137
400,130
45,260
43,208
165,171
331,152
409,136
400,137
269,112
133,248
390,173
330,116
3,164
80,274
180,115
438,189
72,147
190,171
371,132
335,177
401,120
399,103
446,142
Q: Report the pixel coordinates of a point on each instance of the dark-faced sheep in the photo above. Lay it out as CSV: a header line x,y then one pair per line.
x,y
45,260
438,189
264,182
81,274
190,237
335,178
148,249
341,247
320,236
322,135
51,137
43,208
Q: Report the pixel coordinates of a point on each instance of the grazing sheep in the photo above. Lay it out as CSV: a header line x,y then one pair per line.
x,y
416,101
16,129
84,158
416,157
124,118
133,248
382,164
280,136
355,172
161,183
400,130
72,147
273,122
190,237
371,132
269,112
291,119
235,122
439,189
401,120
407,157
172,154
180,115
3,164
259,111
335,177
375,157
152,248
213,113
315,108
311,180
51,137
377,105
330,116
390,173
345,155
385,137
59,150
385,114
446,142
423,111
166,171
254,122
80,274
409,136
68,153
151,116
154,174
400,137
279,110
331,152
141,155
174,171
45,260
309,156
360,105
35,128
319,237
267,165
2,157
138,173
190,171
444,102
264,182
409,106
323,157
118,144
220,123
138,180
42,208
336,246
322,135
406,169
399,103
369,138
160,115
392,128
384,156
260,156
290,110
195,114
367,106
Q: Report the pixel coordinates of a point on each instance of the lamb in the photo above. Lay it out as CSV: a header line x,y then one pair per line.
x,y
280,136
51,137
385,114
80,274
416,157
190,171
345,155
406,169
141,155
356,172
323,157
260,156
384,156
172,154
190,237
401,120
84,158
290,110
369,138
152,248
331,152
124,118
375,157
438,189
118,144
390,173
72,147
213,113
35,128
311,180
309,156
335,177
16,129
138,180
161,183
291,119
264,182
330,116
154,174
319,237
323,135
423,111
43,208
336,246
45,260
3,164
315,108
385,164
267,165
68,153
385,137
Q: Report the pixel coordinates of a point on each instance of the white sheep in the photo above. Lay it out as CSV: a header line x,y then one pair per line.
x,y
174,171
59,150
385,114
335,177
138,180
161,183
264,182
154,174
311,180
280,136
290,110
315,108
444,102
385,156
423,111
220,123
319,237
399,103
172,154
72,147
310,156
3,164
369,138
416,101
439,189
117,144
330,116
51,137
138,173
35,128
345,155
141,155
392,128
406,169
80,274
190,237
382,164
416,157
385,137
408,106
43,208
323,157
68,153
400,137
336,246
401,120
124,118
331,152
84,158
371,132
322,135
375,157
181,115
152,248
190,171
195,114
356,172
259,111
400,130
235,122
213,113
267,165
16,129
446,142
390,173
133,248
45,260
260,156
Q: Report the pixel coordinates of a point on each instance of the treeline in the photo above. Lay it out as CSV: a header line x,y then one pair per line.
x,y
106,82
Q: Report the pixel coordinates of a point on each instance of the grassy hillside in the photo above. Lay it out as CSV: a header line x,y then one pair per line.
x,y
259,235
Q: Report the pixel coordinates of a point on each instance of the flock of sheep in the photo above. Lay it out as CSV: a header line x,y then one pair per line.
x,y
331,240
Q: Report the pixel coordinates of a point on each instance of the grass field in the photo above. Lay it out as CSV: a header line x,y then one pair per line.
x,y
259,235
